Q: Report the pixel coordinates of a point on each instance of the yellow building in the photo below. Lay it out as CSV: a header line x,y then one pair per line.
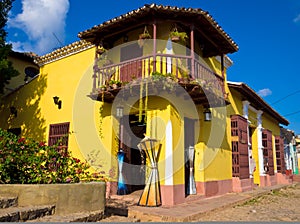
x,y
127,81
257,147
27,68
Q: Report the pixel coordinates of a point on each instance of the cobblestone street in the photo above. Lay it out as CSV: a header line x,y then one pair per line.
x,y
280,205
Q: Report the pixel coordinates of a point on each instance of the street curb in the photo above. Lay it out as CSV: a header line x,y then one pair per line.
x,y
216,203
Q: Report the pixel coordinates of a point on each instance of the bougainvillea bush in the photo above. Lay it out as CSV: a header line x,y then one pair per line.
x,y
25,161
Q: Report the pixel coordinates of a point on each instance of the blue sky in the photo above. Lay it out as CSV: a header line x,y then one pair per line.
x,y
267,32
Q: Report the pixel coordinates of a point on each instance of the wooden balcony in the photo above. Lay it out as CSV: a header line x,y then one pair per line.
x,y
202,84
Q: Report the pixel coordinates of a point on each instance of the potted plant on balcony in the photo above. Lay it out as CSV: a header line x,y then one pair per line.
x,y
185,74
178,36
103,88
115,84
143,36
100,50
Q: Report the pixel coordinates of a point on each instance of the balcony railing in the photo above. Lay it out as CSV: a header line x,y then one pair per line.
x,y
182,68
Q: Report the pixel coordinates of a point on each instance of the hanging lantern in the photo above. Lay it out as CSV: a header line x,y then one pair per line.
x,y
207,114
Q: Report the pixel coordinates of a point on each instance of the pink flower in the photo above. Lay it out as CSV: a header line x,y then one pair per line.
x,y
76,160
95,175
21,140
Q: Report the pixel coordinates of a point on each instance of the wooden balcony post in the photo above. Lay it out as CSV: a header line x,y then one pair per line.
x,y
154,47
223,74
222,66
95,70
192,53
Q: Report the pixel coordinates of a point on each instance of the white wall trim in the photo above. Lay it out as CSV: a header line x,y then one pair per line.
x,y
260,145
169,155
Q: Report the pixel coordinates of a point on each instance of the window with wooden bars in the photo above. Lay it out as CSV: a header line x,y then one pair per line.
x,y
279,146
268,152
239,143
59,134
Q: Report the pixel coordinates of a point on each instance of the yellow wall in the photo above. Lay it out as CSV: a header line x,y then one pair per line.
x,y
34,102
178,144
256,176
272,125
29,115
157,120
20,66
236,107
213,150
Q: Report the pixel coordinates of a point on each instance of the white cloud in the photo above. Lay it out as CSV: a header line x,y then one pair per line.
x,y
264,92
40,20
21,46
296,19
17,46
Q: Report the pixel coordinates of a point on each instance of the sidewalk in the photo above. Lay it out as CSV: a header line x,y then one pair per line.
x,y
193,209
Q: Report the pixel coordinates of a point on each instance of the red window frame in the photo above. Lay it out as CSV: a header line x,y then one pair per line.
x,y
59,134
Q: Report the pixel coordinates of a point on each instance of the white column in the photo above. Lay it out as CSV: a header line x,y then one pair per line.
x,y
250,158
169,155
293,159
246,115
246,109
260,145
287,156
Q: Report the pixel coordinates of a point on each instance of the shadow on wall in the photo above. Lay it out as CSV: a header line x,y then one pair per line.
x,y
214,132
26,101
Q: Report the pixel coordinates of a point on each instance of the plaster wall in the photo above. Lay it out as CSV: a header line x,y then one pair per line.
x,y
67,198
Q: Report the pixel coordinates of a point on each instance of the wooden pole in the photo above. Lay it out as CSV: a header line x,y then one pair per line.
x,y
154,47
192,52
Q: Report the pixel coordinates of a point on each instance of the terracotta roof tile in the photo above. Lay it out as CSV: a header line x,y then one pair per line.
x,y
63,52
155,7
256,100
28,56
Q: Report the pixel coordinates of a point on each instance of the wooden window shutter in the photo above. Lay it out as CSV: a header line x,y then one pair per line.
x,y
59,134
268,151
239,143
279,154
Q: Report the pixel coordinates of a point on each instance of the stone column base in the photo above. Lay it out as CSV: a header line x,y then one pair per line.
x,y
268,180
172,194
213,188
241,185
283,179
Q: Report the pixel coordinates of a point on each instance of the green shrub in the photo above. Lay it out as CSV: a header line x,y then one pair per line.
x,y
25,161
